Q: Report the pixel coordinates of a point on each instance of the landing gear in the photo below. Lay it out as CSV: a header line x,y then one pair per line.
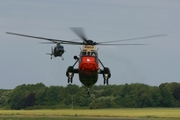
x,y
70,77
106,73
106,78
69,80
52,52
70,71
106,81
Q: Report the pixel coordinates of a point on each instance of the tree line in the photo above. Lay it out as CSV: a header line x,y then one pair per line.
x,y
135,95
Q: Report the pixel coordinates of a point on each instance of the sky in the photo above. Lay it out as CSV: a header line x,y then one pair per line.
x,y
24,60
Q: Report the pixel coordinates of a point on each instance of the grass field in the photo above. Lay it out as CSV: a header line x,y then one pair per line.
x,y
140,114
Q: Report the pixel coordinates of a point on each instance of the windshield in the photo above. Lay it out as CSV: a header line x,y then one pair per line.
x,y
60,47
89,53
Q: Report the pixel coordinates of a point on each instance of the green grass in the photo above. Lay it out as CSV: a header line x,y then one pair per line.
x,y
142,114
46,118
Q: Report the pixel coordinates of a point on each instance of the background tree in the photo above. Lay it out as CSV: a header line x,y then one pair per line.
x,y
4,96
166,91
135,95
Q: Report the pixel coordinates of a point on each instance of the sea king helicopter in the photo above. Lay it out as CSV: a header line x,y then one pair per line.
x,y
88,68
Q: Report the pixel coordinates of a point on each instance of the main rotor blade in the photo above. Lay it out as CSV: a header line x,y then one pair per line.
x,y
61,43
152,36
123,44
47,42
49,39
80,32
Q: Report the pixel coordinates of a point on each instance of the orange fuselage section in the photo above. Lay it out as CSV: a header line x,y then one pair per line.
x,y
88,70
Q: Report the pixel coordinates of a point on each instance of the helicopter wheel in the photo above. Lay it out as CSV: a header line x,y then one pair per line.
x,y
106,81
69,80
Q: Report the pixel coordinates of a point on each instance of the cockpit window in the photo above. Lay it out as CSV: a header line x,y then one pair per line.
x,y
60,47
93,53
83,53
89,53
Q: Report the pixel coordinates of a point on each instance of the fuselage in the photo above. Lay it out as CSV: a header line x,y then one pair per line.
x,y
88,67
88,70
58,50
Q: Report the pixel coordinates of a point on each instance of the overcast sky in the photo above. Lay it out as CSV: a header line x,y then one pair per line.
x,y
24,60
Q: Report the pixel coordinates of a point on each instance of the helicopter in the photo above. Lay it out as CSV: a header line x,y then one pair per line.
x,y
88,68
57,51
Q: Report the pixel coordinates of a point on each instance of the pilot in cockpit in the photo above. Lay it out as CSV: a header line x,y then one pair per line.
x,y
89,53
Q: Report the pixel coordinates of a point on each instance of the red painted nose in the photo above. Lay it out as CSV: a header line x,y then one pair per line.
x,y
88,65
